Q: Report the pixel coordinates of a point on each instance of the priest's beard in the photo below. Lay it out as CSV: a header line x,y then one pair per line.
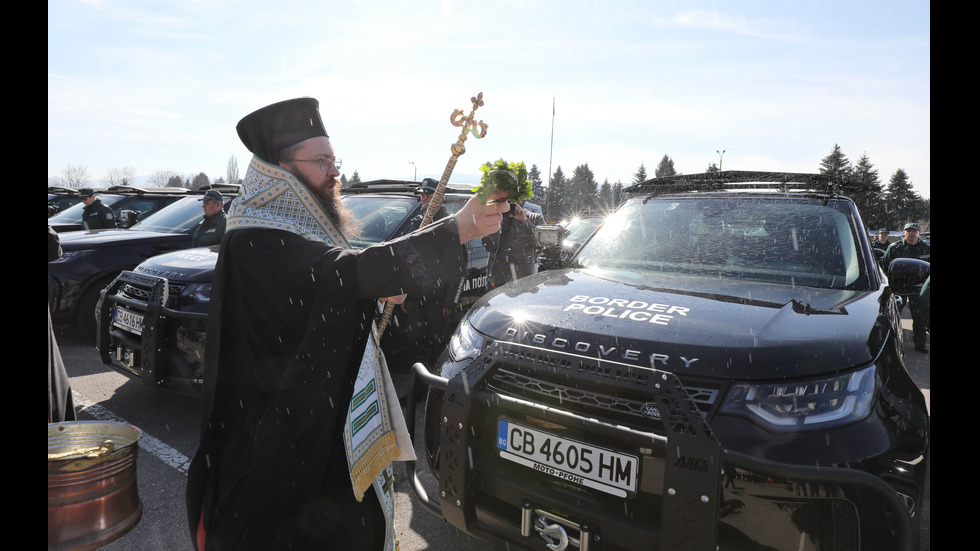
x,y
340,214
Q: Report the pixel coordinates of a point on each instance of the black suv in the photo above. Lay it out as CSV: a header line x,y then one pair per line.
x,y
91,259
719,367
154,317
129,205
60,198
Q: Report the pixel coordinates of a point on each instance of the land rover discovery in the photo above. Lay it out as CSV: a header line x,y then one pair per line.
x,y
719,367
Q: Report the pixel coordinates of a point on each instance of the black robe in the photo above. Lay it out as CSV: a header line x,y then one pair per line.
x,y
288,322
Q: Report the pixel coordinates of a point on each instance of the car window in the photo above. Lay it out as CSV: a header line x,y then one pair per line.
x,y
178,217
143,205
73,214
378,216
788,242
382,218
579,229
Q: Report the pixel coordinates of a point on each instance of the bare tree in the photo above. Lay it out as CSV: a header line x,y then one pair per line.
x,y
75,176
233,170
161,178
124,176
127,176
111,177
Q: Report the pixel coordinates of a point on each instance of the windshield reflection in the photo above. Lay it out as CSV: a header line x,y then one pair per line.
x,y
768,240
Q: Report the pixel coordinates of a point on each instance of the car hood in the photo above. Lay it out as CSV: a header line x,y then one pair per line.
x,y
739,330
93,239
188,265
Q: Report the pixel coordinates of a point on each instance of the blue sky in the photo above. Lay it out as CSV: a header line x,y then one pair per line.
x,y
160,85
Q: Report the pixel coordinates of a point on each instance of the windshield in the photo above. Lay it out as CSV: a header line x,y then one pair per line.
x,y
73,214
773,240
579,229
378,217
178,217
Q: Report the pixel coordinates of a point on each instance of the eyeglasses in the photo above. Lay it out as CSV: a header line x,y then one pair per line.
x,y
322,164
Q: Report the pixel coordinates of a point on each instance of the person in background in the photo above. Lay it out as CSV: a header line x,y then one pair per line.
x,y
290,331
881,240
96,215
512,248
429,313
212,227
910,246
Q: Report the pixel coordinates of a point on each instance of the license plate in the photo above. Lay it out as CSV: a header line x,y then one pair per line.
x,y
128,320
591,466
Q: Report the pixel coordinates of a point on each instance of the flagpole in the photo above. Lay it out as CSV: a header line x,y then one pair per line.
x,y
550,154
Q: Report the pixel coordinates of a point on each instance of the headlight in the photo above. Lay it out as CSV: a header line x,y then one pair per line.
x,y
804,405
466,343
196,296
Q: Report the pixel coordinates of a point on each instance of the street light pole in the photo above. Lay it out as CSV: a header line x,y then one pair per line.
x,y
415,177
721,157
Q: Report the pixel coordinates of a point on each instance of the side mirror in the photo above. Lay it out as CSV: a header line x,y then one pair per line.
x,y
129,217
906,275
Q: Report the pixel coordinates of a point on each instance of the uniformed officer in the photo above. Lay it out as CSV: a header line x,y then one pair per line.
x,y
210,229
430,312
96,215
881,240
912,247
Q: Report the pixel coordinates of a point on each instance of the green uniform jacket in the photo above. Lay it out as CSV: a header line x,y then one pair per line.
x,y
209,230
96,216
901,249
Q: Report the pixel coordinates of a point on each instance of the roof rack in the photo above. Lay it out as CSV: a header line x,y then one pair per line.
x,y
401,185
381,185
62,189
223,188
746,179
145,190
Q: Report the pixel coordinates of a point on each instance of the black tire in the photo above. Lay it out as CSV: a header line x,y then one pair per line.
x,y
85,315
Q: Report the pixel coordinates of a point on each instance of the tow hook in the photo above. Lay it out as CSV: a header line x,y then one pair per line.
x,y
554,534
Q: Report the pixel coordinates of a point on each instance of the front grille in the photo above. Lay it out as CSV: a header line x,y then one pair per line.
x,y
846,530
611,406
142,293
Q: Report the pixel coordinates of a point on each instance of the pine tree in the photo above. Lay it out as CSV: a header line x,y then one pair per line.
x,y
556,207
836,164
665,168
537,187
870,202
354,180
617,192
582,190
640,175
903,201
606,202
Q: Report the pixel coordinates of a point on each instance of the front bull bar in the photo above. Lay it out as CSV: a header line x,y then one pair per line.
x,y
692,523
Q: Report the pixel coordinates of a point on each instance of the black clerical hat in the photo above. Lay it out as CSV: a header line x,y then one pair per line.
x,y
274,127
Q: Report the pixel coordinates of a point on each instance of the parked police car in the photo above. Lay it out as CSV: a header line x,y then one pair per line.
x,y
93,258
60,198
153,318
720,366
129,205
